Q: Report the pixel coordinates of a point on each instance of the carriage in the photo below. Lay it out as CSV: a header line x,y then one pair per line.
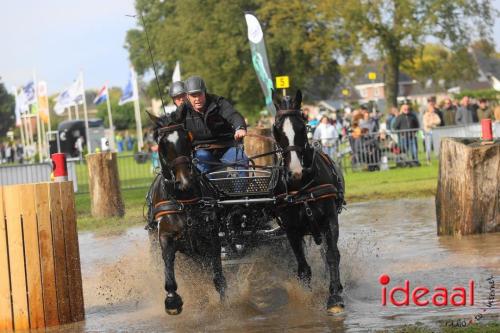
x,y
234,207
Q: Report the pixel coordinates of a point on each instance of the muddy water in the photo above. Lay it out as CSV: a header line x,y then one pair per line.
x,y
123,285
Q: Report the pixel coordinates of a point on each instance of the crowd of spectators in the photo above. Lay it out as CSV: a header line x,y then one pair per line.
x,y
368,132
11,152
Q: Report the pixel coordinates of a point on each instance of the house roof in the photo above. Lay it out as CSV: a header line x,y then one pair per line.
x,y
487,65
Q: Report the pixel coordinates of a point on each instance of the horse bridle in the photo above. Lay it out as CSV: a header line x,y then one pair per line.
x,y
179,160
290,113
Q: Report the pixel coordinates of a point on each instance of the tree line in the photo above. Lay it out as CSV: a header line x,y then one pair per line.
x,y
317,43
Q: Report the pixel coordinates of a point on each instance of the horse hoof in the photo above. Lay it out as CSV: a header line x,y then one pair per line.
x,y
335,305
173,304
173,312
336,309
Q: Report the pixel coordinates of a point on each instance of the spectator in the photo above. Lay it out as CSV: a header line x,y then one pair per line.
x,y
466,113
430,120
327,134
9,153
20,153
312,121
392,116
355,142
119,142
483,111
408,124
449,112
2,153
431,103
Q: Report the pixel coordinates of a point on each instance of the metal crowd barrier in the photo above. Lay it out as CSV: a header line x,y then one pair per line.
x,y
133,172
377,151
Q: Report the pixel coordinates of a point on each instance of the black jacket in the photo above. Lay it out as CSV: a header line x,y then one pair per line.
x,y
216,124
406,122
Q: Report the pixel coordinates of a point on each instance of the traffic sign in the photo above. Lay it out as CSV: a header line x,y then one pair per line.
x,y
282,82
372,76
345,92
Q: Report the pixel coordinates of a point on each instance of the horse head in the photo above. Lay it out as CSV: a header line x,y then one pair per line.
x,y
290,133
174,149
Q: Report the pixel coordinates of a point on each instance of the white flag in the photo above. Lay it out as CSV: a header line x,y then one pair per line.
x,y
29,93
63,101
19,106
176,76
75,91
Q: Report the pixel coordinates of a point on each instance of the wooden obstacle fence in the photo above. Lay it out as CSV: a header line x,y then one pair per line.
x,y
40,277
468,190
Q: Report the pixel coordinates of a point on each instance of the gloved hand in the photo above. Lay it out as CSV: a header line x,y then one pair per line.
x,y
240,134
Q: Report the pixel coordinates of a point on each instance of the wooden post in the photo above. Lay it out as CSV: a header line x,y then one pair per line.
x,y
40,278
259,141
468,192
104,185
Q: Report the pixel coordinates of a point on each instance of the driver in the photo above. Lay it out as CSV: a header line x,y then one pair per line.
x,y
216,127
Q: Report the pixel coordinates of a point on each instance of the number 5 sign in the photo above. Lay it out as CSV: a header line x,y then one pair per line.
x,y
282,82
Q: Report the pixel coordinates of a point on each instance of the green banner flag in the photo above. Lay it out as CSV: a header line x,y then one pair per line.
x,y
259,59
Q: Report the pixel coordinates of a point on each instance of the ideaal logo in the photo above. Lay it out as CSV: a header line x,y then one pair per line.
x,y
422,295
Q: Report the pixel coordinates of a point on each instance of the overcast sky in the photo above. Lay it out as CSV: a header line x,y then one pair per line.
x,y
57,38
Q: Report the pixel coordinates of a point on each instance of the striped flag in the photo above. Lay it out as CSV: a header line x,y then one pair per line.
x,y
102,95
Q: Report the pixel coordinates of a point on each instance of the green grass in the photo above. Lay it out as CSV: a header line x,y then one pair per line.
x,y
132,174
390,184
134,202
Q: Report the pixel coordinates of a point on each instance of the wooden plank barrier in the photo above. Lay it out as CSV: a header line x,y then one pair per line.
x,y
40,277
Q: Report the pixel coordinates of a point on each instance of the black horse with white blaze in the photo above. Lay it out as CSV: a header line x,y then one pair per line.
x,y
181,225
312,197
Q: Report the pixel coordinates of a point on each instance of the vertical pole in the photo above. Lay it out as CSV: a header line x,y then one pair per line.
x,y
21,129
38,127
77,116
44,139
111,127
30,129
18,113
26,131
85,116
137,111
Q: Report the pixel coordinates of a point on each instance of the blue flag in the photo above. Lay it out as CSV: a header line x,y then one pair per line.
x,y
129,93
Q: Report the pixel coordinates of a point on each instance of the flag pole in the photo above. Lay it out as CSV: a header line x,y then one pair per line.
x,y
137,112
85,116
111,127
26,131
38,127
18,114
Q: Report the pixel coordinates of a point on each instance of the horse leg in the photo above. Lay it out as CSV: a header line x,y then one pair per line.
x,y
335,303
173,302
216,262
304,270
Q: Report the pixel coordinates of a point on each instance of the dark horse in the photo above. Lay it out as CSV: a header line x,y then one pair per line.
x,y
313,196
180,224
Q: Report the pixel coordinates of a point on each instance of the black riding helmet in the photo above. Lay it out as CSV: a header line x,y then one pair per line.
x,y
195,84
177,88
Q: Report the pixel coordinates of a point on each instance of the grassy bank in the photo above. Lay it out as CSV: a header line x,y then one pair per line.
x,y
391,184
360,186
